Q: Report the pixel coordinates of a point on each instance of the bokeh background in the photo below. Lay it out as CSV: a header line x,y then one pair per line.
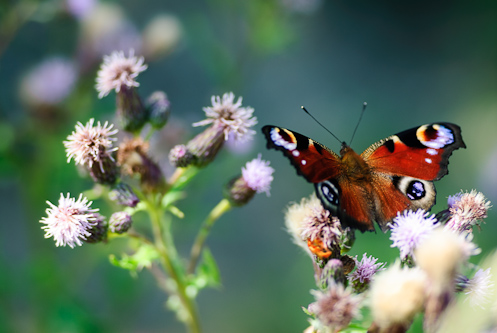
x,y
413,62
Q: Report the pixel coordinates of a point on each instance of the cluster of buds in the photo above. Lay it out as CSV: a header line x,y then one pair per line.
x,y
433,252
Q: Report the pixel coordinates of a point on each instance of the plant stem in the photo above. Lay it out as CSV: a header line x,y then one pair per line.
x,y
222,207
156,216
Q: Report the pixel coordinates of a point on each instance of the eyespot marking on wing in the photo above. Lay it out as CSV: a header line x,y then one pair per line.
x,y
435,136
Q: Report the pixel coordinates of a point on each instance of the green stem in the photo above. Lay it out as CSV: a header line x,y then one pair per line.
x,y
156,217
222,207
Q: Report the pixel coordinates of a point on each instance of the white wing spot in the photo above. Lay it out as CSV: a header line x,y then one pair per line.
x,y
279,141
428,160
304,162
432,151
295,153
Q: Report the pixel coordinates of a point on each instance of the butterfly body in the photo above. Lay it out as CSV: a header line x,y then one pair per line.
x,y
392,175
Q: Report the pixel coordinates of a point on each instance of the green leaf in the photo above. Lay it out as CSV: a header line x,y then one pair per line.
x,y
171,197
208,273
143,257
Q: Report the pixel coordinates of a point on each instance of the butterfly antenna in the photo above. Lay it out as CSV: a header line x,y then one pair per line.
x,y
358,122
327,130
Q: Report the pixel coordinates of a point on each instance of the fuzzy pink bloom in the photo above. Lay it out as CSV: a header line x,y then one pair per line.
x,y
230,115
70,222
258,175
466,210
118,70
89,144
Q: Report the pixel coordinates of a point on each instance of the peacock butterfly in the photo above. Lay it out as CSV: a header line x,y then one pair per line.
x,y
392,175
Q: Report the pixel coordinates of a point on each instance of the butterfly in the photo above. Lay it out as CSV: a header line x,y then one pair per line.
x,y
392,175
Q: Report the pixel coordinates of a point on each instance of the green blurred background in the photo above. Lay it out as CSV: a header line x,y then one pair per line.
x,y
413,62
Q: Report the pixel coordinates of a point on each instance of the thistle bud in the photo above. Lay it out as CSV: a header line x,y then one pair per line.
x,y
98,232
120,222
180,156
130,111
158,108
106,172
332,273
205,146
123,194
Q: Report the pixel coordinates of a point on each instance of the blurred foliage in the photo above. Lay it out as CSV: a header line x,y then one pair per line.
x,y
412,62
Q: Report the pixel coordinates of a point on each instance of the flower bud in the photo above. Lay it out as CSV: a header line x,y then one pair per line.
x,y
98,232
205,146
180,156
130,111
332,272
120,222
123,194
106,172
158,108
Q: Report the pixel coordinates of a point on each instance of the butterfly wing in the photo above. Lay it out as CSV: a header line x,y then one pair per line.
x,y
405,165
312,160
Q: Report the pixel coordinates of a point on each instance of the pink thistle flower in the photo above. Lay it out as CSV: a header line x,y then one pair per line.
x,y
70,222
118,71
467,210
256,177
231,116
409,229
364,272
89,144
336,307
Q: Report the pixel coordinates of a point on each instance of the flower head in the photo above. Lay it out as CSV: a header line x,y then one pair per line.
x,y
232,117
117,71
295,214
89,144
397,294
120,222
441,255
98,232
321,230
409,229
70,222
50,82
365,271
479,289
336,307
256,177
466,210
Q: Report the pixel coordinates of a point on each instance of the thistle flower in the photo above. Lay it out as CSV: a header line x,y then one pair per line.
x,y
120,222
118,71
441,254
479,289
50,82
295,215
397,295
91,146
364,273
467,210
70,222
225,117
336,307
98,232
80,8
322,231
256,177
409,229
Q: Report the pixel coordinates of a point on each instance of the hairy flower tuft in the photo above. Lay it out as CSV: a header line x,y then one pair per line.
x,y
295,214
256,177
231,116
409,229
70,222
89,144
336,307
479,289
467,210
117,71
364,272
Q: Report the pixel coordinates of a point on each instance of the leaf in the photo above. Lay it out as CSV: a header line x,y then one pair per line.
x,y
208,273
143,257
